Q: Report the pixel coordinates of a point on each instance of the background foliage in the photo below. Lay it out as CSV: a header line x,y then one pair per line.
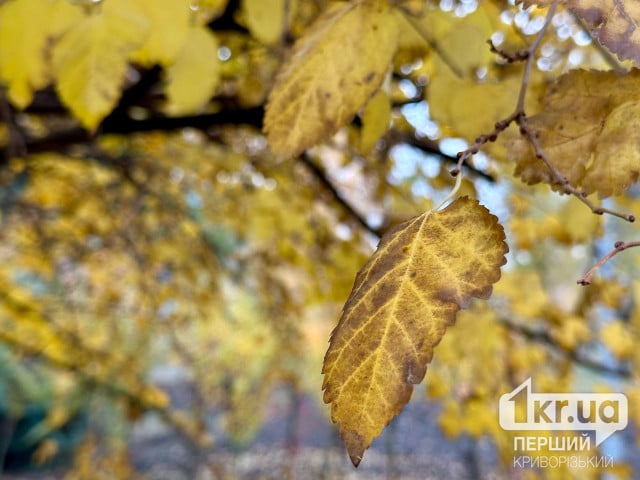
x,y
149,231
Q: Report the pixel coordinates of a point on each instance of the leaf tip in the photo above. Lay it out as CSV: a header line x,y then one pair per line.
x,y
356,445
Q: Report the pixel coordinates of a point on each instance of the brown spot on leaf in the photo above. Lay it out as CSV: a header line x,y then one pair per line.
x,y
405,302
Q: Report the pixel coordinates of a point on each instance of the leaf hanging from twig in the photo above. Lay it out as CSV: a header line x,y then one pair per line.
x,y
422,273
589,130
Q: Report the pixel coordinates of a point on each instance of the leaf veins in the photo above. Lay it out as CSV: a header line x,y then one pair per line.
x,y
589,131
615,23
333,71
422,273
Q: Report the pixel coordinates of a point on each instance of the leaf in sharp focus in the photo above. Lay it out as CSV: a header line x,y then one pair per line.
x,y
26,27
614,23
332,72
589,131
90,60
410,290
194,76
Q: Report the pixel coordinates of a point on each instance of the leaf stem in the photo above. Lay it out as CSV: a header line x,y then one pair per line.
x,y
562,180
452,193
531,58
617,248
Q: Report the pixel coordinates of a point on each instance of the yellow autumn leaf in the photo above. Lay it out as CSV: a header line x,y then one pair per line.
x,y
26,28
320,87
571,332
467,107
266,20
462,42
576,223
194,76
614,23
412,7
90,60
410,290
589,130
529,303
618,339
375,121
169,25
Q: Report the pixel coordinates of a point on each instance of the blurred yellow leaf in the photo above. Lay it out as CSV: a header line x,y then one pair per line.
x,y
194,76
46,451
529,302
578,224
168,28
90,60
571,332
266,19
422,273
375,120
26,28
322,86
468,107
463,41
618,339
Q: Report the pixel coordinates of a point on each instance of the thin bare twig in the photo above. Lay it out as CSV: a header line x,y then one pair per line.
x,y
492,136
519,117
529,55
533,48
518,56
617,248
560,179
543,336
321,176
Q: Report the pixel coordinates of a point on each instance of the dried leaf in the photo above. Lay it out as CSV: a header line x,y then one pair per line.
x,y
422,273
614,23
589,130
321,87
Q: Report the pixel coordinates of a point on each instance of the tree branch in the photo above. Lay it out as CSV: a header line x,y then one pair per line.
x,y
519,117
123,124
322,178
542,336
618,247
429,146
